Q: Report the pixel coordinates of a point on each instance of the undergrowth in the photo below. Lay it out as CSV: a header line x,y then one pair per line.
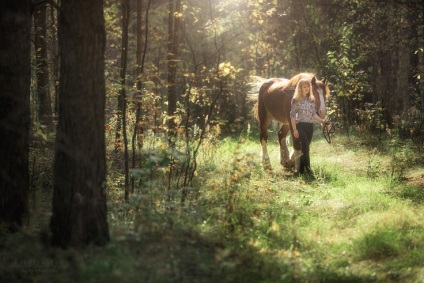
x,y
358,219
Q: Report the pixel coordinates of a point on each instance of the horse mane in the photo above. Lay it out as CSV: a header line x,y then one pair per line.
x,y
292,82
326,88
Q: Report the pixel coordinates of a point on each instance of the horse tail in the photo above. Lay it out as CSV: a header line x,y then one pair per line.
x,y
255,85
256,111
260,111
255,93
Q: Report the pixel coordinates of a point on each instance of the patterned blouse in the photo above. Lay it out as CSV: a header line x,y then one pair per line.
x,y
302,111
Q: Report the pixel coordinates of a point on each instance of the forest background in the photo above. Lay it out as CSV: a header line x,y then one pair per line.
x,y
141,95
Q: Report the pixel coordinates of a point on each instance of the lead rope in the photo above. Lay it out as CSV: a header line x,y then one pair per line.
x,y
328,130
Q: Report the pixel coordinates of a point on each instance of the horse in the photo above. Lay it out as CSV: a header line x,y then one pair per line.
x,y
273,102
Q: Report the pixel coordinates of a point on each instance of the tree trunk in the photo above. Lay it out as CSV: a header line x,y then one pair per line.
x,y
15,48
140,54
42,74
386,68
139,51
173,42
122,95
54,57
79,200
413,62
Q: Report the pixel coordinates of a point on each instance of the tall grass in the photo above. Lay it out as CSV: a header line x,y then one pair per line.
x,y
356,210
360,219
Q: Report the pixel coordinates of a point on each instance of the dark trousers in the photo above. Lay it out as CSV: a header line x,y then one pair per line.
x,y
306,131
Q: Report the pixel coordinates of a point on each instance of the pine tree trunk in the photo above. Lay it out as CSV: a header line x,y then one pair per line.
x,y
173,42
122,93
54,57
139,51
42,74
79,201
138,125
15,47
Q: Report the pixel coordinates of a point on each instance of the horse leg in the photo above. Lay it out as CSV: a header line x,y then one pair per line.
x,y
297,146
284,152
263,125
266,162
296,156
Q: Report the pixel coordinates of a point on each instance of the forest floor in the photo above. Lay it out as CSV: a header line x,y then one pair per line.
x,y
360,218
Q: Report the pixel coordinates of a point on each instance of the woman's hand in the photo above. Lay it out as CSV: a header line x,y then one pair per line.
x,y
295,133
319,120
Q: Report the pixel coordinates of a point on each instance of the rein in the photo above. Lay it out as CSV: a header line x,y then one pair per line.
x,y
328,130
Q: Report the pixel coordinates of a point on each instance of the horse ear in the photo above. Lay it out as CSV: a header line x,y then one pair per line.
x,y
324,80
313,81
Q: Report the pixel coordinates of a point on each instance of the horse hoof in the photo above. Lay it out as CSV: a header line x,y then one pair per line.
x,y
267,166
288,164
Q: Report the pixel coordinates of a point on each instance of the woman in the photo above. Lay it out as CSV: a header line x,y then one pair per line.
x,y
302,116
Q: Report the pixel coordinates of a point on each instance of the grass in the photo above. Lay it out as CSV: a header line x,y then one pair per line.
x,y
359,220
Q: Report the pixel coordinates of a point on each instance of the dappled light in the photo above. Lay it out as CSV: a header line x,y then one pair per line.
x,y
211,141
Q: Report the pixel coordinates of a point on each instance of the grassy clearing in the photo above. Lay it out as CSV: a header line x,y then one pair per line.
x,y
357,221
360,219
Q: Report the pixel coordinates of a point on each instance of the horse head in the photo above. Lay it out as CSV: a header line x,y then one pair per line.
x,y
321,92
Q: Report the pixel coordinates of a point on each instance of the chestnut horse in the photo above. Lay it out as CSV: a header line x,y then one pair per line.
x,y
273,102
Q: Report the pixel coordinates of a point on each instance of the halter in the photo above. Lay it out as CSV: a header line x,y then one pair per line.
x,y
328,130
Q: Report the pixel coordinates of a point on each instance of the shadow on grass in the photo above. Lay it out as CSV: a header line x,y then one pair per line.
x,y
413,193
160,255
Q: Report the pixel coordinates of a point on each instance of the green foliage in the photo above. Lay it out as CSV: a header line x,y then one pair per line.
x,y
240,224
413,193
379,245
373,169
410,123
358,220
348,78
370,119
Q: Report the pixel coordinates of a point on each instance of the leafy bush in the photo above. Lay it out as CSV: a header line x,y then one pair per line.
x,y
410,124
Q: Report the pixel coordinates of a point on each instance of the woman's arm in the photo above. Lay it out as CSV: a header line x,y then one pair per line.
x,y
318,119
293,112
295,132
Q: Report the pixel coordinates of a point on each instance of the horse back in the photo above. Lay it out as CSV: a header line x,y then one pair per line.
x,y
277,99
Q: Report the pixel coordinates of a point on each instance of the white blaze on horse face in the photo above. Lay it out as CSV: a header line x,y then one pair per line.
x,y
322,112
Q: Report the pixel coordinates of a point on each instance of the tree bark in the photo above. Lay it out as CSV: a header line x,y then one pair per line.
x,y
54,55
15,48
122,95
139,51
79,200
42,74
173,41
